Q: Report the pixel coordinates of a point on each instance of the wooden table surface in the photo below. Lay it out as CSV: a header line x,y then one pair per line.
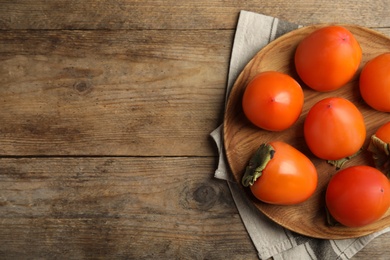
x,y
106,109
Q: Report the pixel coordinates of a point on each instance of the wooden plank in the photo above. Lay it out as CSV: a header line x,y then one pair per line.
x,y
77,92
171,14
120,208
133,208
376,249
143,93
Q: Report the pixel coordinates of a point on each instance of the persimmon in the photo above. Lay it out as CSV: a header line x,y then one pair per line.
x,y
280,174
358,195
273,101
328,58
374,83
334,130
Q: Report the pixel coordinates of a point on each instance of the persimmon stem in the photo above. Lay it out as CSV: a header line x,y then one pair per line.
x,y
257,164
340,163
381,154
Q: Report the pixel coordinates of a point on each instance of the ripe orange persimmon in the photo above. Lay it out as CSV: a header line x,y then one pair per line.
x,y
273,101
328,58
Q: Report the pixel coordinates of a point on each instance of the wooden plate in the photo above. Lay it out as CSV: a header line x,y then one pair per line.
x,y
241,138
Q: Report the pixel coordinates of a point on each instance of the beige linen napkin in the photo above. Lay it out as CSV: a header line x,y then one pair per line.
x,y
253,32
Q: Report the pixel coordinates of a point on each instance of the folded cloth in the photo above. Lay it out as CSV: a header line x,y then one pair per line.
x,y
253,32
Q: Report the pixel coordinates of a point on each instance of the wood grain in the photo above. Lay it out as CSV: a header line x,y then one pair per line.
x,y
242,139
97,97
375,249
133,208
171,14
111,92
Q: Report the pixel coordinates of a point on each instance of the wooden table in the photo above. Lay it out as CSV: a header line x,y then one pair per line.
x,y
105,111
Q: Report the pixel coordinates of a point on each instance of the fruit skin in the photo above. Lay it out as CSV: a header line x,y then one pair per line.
x,y
273,101
358,195
328,58
334,129
383,132
374,83
282,175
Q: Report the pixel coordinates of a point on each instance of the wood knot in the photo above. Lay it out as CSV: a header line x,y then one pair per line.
x,y
82,87
205,196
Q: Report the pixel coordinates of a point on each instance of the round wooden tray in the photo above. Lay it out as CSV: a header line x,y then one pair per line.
x,y
241,138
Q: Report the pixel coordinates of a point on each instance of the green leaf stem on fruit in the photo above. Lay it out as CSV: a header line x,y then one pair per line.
x,y
257,164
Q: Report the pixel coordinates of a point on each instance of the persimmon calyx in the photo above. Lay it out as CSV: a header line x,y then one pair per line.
x,y
257,164
330,219
340,163
381,154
